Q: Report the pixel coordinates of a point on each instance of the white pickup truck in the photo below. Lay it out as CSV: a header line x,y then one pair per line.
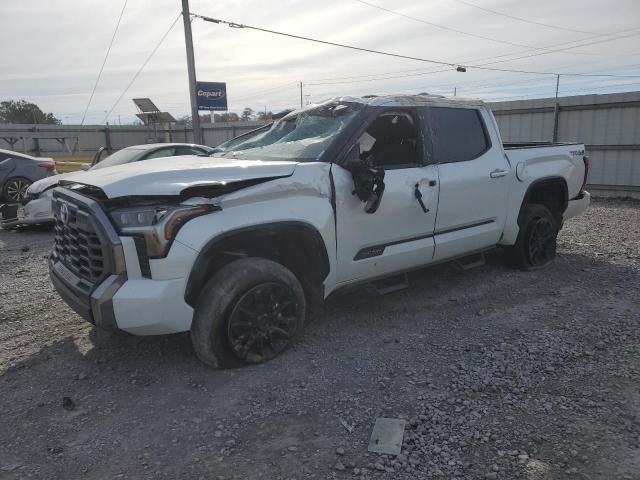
x,y
235,247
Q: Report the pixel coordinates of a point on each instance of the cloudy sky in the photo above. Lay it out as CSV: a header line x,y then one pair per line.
x,y
52,50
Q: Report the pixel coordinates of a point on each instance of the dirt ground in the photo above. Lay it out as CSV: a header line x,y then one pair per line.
x,y
500,374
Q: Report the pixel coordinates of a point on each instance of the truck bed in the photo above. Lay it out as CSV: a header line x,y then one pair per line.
x,y
516,145
535,160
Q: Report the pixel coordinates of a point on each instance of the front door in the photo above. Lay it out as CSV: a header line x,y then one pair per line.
x,y
399,234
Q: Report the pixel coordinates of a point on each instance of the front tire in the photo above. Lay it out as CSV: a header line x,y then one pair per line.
x,y
249,312
535,246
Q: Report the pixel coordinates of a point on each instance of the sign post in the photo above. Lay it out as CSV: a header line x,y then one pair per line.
x,y
191,70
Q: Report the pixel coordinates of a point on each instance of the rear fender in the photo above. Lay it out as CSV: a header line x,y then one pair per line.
x,y
512,226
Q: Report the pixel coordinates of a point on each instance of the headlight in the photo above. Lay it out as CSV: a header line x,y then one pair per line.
x,y
157,224
138,217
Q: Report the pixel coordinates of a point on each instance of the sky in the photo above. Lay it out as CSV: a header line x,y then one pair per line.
x,y
52,51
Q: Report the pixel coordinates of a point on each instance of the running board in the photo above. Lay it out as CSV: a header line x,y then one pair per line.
x,y
391,284
471,261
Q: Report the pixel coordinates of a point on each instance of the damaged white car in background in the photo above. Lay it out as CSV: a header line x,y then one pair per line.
x,y
35,207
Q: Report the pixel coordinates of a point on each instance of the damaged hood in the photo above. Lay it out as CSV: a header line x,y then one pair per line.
x,y
36,188
172,175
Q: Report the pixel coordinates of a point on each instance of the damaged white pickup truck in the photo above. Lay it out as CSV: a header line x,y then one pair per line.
x,y
235,247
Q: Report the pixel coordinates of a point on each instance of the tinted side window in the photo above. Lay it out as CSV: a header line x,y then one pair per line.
x,y
189,151
161,152
458,134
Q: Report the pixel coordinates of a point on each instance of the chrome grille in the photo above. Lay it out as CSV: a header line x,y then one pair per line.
x,y
78,244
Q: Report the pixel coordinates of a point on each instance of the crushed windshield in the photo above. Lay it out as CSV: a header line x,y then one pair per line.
x,y
301,135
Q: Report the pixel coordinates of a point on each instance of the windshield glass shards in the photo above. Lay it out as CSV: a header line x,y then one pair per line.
x,y
302,136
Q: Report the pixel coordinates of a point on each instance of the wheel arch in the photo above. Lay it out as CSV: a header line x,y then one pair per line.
x,y
552,192
297,245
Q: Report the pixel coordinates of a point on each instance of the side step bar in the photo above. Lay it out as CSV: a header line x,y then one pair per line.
x,y
471,261
390,284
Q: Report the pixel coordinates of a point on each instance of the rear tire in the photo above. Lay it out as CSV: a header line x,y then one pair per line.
x,y
249,312
15,189
535,246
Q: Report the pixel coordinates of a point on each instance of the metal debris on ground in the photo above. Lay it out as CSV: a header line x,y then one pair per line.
x,y
346,425
387,436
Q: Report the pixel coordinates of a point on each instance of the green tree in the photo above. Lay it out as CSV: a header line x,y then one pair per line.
x,y
247,114
21,111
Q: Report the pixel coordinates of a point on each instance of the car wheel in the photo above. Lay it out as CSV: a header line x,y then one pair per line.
x,y
249,312
535,246
15,189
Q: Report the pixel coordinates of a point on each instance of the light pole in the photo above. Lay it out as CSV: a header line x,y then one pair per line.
x,y
301,104
191,69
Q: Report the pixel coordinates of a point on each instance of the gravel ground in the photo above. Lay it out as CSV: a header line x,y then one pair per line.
x,y
499,373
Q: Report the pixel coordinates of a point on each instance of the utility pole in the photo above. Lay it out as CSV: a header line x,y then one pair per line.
x,y
455,90
556,112
191,69
301,105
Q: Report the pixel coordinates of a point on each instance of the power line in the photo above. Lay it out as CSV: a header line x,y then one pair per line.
x,y
457,66
257,94
428,72
144,64
325,42
461,32
104,62
513,17
636,33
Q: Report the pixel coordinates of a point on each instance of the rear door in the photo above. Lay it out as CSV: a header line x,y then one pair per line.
x,y
474,180
399,235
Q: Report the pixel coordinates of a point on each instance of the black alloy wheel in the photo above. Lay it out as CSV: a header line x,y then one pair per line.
x,y
250,311
535,245
541,244
262,322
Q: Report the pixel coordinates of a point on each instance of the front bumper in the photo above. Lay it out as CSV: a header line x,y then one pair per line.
x,y
136,305
35,212
95,307
141,301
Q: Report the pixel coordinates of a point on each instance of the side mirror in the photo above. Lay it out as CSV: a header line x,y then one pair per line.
x,y
85,167
375,197
368,181
98,156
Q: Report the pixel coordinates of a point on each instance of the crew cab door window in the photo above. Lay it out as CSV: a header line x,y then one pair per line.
x,y
392,141
399,234
472,204
459,134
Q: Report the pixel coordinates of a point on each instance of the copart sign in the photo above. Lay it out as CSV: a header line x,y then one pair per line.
x,y
211,96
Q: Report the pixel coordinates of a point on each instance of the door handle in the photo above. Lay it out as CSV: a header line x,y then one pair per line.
x,y
418,194
497,173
